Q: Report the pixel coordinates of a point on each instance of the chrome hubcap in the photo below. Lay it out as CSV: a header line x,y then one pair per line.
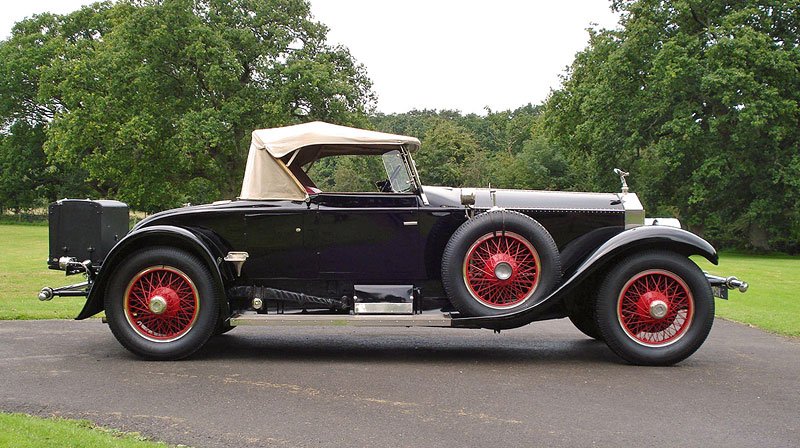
x,y
658,309
158,304
503,271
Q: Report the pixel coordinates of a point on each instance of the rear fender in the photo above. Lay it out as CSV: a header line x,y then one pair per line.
x,y
625,243
163,235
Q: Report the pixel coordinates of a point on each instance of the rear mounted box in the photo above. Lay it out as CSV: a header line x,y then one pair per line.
x,y
84,229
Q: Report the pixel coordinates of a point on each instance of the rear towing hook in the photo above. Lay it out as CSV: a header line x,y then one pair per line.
x,y
721,285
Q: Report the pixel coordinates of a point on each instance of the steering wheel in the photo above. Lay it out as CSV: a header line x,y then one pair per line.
x,y
384,186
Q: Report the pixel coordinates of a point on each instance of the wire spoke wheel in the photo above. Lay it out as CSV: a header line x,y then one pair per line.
x,y
655,308
501,270
161,303
497,262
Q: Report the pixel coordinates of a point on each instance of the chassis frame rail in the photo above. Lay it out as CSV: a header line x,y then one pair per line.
x,y
360,320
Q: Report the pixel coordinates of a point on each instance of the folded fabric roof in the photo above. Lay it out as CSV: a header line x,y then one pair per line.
x,y
266,175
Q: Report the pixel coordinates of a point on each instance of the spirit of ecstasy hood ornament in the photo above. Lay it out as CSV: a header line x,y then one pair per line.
x,y
622,175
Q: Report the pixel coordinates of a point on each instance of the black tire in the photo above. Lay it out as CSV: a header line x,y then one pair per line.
x,y
581,314
184,288
636,327
476,292
222,327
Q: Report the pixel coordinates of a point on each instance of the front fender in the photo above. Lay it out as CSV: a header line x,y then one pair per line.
x,y
149,236
636,239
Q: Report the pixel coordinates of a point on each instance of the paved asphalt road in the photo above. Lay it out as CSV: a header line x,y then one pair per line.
x,y
543,385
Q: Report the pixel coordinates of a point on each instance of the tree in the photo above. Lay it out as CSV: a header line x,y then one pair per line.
x,y
20,173
502,130
348,173
700,100
450,156
497,140
540,165
154,100
27,179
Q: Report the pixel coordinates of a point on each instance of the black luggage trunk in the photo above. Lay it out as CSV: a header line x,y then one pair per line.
x,y
84,229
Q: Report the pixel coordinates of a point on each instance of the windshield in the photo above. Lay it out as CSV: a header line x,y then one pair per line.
x,y
398,172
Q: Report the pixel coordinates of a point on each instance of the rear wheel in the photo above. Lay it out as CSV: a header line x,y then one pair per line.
x,y
499,262
582,317
655,308
223,326
161,303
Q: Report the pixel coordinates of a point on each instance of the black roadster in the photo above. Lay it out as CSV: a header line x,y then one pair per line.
x,y
286,253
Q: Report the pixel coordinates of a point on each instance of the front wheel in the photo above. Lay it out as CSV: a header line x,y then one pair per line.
x,y
161,303
655,308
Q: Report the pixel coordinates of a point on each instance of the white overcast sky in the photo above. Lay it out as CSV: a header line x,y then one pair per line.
x,y
440,54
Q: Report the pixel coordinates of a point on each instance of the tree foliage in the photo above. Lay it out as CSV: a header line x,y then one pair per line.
x,y
154,100
502,148
450,156
348,173
700,100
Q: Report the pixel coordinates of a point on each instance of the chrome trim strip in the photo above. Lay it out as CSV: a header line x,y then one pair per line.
x,y
553,209
384,308
668,222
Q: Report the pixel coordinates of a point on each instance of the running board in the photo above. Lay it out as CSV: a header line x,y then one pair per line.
x,y
342,320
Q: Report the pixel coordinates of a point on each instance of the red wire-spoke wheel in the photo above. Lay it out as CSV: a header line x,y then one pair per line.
x,y
655,308
497,262
161,303
501,270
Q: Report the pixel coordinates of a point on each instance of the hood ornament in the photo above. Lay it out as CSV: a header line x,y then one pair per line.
x,y
622,175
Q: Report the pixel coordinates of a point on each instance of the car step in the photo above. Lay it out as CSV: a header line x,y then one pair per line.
x,y
436,319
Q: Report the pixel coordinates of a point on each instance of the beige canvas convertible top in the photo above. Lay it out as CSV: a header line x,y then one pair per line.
x,y
266,175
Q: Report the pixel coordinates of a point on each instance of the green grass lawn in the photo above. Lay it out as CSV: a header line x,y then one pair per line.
x,y
773,300
24,431
772,303
23,272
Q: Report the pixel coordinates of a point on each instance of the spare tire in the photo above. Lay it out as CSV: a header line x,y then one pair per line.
x,y
498,262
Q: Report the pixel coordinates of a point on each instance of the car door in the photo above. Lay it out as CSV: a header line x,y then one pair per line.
x,y
276,241
367,237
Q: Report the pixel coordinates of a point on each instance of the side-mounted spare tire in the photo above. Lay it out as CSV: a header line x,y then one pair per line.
x,y
498,262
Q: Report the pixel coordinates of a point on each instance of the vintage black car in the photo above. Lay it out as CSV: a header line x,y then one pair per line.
x,y
286,253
